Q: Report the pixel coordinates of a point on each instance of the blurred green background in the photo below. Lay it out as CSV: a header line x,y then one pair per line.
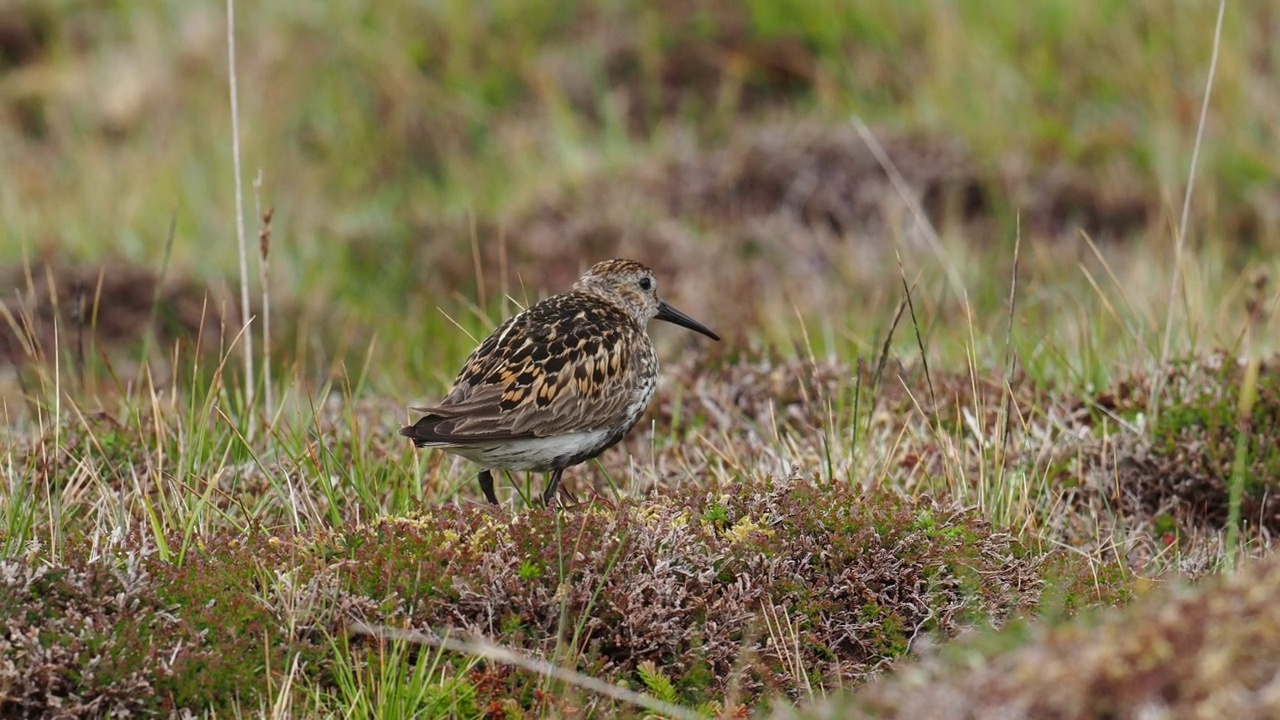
x,y
425,155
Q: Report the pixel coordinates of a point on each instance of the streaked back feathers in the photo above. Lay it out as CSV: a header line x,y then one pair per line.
x,y
578,366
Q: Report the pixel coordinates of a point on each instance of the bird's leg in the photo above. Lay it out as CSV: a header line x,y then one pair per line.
x,y
550,495
486,486
564,493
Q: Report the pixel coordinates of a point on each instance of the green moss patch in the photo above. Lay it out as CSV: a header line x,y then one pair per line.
x,y
1176,474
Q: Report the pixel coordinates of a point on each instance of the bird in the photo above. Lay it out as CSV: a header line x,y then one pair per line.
x,y
558,383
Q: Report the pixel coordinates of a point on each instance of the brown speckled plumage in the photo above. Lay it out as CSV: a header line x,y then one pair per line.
x,y
559,383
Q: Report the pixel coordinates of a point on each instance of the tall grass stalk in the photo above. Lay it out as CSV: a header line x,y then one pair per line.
x,y
1180,239
1257,307
244,252
264,285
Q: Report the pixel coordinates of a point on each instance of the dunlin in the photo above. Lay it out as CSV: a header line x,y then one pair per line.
x,y
559,383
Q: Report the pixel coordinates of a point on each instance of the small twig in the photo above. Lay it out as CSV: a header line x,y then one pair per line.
x,y
97,303
21,326
884,349
915,323
878,373
264,277
149,336
489,651
1010,357
857,401
77,316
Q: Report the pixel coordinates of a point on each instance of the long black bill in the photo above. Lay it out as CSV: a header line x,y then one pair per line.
x,y
672,315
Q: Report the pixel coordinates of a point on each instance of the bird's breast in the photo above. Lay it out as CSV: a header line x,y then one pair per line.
x,y
646,383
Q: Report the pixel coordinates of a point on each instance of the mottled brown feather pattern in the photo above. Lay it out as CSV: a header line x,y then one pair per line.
x,y
560,366
559,383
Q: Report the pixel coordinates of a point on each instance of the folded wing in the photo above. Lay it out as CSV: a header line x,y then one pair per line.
x,y
562,366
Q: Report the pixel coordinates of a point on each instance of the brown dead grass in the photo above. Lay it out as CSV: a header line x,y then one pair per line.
x,y
1212,651
760,409
1169,483
105,308
1156,500
782,214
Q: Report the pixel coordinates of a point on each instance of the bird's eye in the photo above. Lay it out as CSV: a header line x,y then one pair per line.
x,y
646,283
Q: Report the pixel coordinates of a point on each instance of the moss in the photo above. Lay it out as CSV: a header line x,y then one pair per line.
x,y
1187,458
1184,652
842,577
103,635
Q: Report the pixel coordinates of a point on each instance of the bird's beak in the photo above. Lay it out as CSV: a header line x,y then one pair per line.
x,y
672,315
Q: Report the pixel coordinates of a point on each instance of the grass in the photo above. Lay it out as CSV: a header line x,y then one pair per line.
x,y
940,246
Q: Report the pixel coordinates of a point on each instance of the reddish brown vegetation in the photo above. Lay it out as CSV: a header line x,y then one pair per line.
x,y
809,584
1207,652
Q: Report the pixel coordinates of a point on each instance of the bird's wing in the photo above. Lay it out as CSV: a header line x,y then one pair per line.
x,y
564,365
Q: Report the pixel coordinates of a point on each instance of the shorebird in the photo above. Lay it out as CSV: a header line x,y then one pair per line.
x,y
558,383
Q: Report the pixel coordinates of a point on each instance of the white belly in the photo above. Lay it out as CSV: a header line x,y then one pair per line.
x,y
531,453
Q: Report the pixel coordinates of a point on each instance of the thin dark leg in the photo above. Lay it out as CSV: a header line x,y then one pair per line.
x,y
549,496
486,486
564,493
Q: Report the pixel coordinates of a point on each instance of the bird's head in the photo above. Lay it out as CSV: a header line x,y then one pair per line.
x,y
633,287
